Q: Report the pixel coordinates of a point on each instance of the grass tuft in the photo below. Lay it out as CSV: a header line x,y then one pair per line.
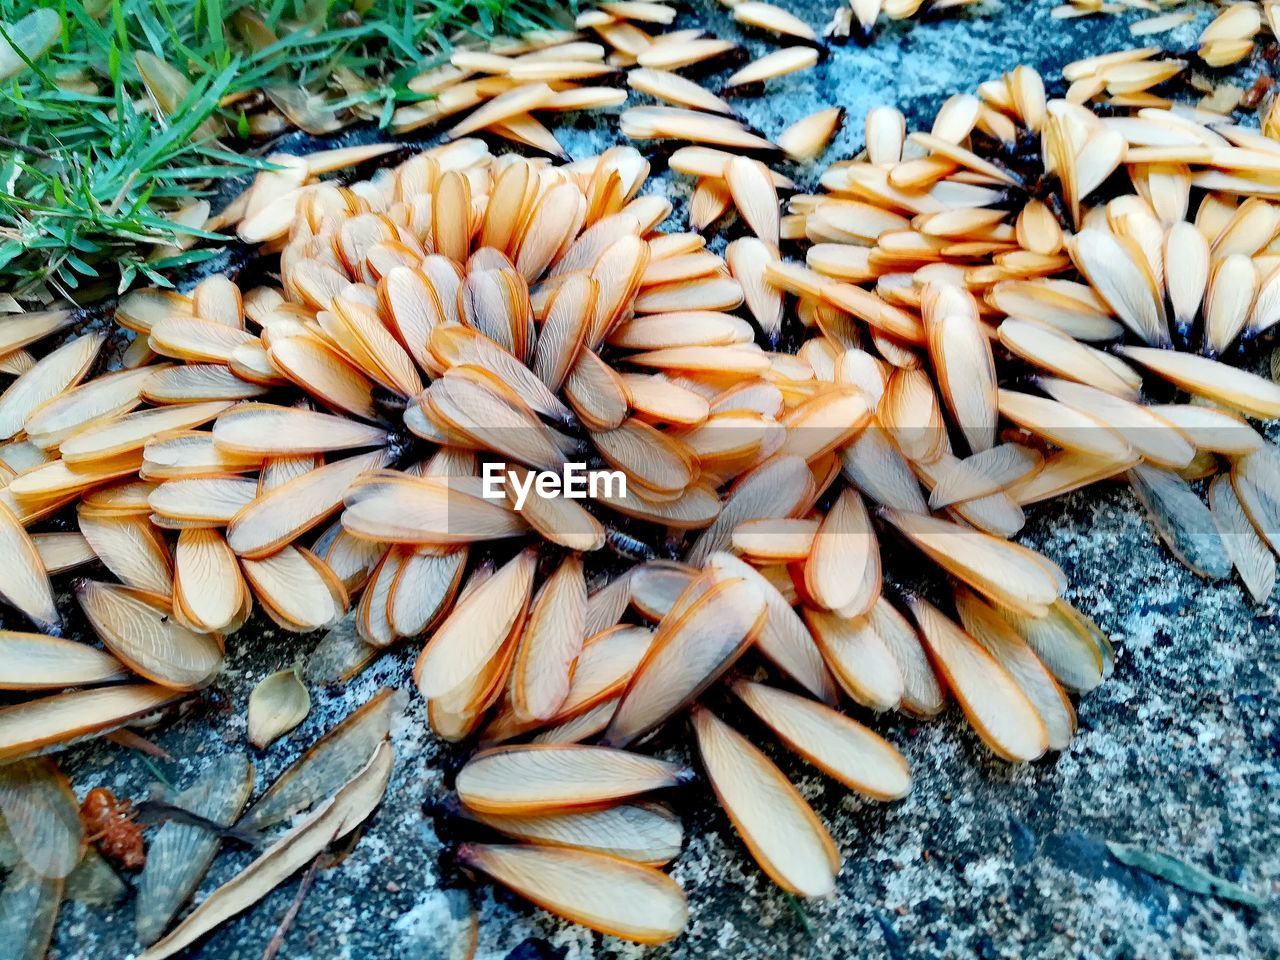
x,y
95,158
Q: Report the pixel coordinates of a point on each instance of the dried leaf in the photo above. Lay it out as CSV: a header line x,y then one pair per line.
x,y
1184,874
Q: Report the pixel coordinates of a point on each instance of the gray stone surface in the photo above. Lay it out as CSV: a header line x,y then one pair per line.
x,y
1176,751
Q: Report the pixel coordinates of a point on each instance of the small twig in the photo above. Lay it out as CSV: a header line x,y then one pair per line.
x,y
26,148
277,938
128,739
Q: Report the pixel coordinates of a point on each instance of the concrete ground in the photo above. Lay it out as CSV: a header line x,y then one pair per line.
x,y
1177,751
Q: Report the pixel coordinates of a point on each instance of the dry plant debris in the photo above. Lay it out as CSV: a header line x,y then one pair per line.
x,y
1034,295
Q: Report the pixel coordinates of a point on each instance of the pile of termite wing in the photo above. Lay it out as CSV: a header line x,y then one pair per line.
x,y
1026,299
